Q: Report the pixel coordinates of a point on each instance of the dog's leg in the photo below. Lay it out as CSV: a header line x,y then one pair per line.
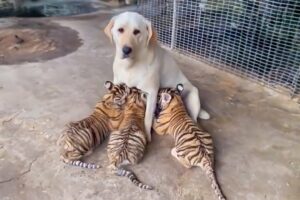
x,y
193,105
150,108
192,102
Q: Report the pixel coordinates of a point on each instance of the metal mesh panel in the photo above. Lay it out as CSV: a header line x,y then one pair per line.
x,y
161,14
255,39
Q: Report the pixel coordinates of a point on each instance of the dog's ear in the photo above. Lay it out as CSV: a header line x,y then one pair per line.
x,y
127,89
152,36
144,96
107,29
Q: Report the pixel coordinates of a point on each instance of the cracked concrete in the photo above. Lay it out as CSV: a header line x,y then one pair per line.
x,y
21,174
255,131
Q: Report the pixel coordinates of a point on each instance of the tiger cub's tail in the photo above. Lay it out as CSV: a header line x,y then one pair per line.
x,y
133,178
79,163
214,184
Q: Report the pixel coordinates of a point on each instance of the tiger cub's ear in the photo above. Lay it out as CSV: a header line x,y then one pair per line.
x,y
127,89
179,88
108,85
165,98
144,96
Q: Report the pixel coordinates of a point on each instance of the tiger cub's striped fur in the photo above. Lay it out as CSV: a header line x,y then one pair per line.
x,y
81,137
193,146
127,145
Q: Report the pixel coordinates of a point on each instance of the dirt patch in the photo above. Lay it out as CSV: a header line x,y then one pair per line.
x,y
32,41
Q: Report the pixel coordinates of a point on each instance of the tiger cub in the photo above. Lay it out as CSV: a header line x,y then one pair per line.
x,y
127,145
81,137
193,146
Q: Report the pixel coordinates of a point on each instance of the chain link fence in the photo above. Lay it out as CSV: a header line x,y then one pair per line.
x,y
257,39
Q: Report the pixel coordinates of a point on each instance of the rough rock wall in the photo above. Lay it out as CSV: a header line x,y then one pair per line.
x,y
4,4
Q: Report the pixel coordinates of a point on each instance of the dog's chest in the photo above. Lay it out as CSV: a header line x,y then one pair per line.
x,y
132,77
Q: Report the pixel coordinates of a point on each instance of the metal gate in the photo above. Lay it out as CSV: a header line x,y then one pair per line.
x,y
258,39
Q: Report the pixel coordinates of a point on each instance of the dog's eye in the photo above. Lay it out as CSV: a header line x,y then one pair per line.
x,y
135,32
121,30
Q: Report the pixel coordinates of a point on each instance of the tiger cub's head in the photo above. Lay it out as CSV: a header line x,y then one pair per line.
x,y
116,96
168,98
121,96
136,99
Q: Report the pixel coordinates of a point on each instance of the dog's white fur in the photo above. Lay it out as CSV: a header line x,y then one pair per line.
x,y
148,67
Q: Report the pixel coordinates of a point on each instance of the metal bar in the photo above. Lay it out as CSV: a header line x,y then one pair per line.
x,y
173,38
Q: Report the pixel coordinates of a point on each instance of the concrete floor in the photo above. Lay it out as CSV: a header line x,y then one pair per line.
x,y
256,132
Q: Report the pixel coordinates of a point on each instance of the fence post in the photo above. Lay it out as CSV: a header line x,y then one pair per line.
x,y
174,24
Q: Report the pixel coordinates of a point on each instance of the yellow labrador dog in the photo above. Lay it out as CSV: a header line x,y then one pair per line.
x,y
140,62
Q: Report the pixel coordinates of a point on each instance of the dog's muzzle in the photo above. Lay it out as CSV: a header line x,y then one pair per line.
x,y
126,51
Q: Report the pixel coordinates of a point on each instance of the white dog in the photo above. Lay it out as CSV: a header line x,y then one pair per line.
x,y
140,62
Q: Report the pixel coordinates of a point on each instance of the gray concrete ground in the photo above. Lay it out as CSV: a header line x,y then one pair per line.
x,y
256,132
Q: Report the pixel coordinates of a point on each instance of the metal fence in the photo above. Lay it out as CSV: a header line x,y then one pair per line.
x,y
258,39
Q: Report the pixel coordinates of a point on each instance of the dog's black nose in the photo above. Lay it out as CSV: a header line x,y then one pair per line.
x,y
127,50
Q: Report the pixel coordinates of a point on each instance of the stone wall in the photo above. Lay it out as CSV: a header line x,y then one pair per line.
x,y
18,3
6,8
10,4
5,4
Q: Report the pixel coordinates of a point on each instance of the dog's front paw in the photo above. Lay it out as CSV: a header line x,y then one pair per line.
x,y
203,114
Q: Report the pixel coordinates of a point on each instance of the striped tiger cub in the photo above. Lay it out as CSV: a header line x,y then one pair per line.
x,y
193,146
127,145
81,137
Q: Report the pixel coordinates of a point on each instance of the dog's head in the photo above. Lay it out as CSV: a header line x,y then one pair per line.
x,y
131,33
